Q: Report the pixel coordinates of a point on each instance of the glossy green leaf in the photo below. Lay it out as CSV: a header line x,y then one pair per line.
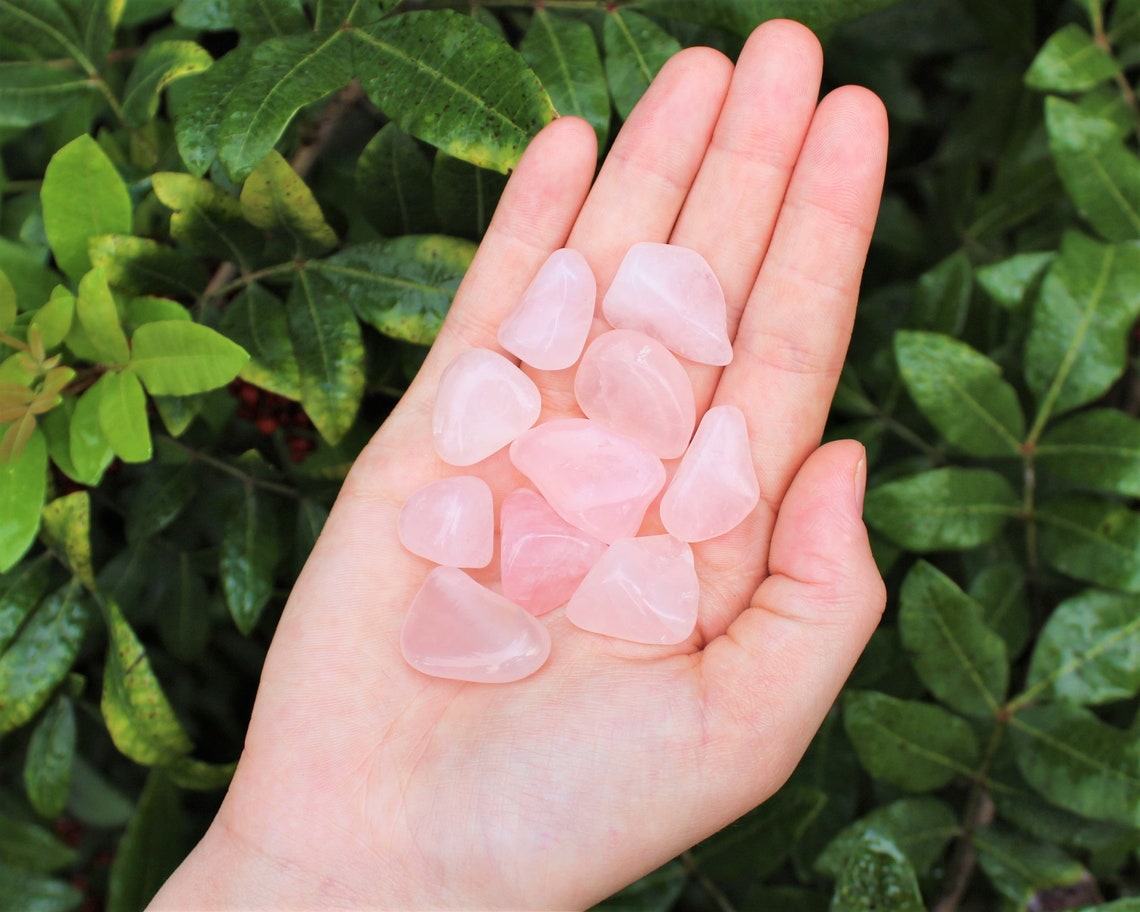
x,y
206,218
657,891
1020,867
151,309
961,392
28,845
919,827
334,13
1009,281
45,26
393,184
447,80
138,715
1035,817
942,298
1093,540
93,800
943,509
67,530
96,22
199,776
636,48
742,16
960,659
90,450
123,417
31,93
179,358
257,20
208,15
137,265
151,847
160,64
1000,590
1097,449
249,555
47,766
185,622
178,412
256,321
914,746
1078,762
465,196
54,320
23,483
1070,61
25,269
8,303
275,199
27,892
165,491
876,876
198,110
41,654
21,589
97,314
83,197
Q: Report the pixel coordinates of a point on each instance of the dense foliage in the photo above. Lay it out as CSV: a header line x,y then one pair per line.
x,y
229,227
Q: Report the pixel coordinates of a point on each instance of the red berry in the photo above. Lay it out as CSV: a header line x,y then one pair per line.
x,y
249,395
266,424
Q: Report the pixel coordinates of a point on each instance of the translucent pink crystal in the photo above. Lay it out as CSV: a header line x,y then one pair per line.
x,y
633,384
482,404
548,327
451,522
543,557
643,589
598,480
715,485
671,294
459,629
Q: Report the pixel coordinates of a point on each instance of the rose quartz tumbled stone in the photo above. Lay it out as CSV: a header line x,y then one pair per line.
x,y
670,293
482,404
643,589
715,485
598,480
633,384
459,629
450,522
543,557
548,327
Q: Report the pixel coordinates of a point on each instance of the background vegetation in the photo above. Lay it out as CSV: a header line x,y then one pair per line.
x,y
228,229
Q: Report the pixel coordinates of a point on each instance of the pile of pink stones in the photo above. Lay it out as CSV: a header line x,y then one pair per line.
x,y
574,541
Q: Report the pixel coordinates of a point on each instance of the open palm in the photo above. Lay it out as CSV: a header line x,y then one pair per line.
x,y
365,784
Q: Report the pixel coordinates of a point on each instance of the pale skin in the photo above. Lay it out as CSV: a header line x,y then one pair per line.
x,y
367,785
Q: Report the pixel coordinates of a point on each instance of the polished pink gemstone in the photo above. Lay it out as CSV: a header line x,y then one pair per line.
x,y
543,557
715,485
633,384
459,629
450,522
482,404
643,589
598,480
548,327
670,293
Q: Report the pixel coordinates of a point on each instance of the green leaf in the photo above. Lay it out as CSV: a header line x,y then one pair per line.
x,y
160,64
1070,61
45,26
137,265
249,555
54,320
447,80
742,16
139,718
29,846
877,876
21,589
563,53
83,197
961,660
184,624
93,800
919,827
97,22
942,298
165,491
1098,449
23,483
8,303
27,892
99,317
961,392
1000,589
51,750
403,287
206,218
123,417
256,321
257,20
915,746
150,309
465,196
67,529
41,654
198,110
1078,762
657,891
943,509
1009,281
636,49
179,358
199,776
393,184
1020,867
151,847
31,93
1092,540
275,199
90,450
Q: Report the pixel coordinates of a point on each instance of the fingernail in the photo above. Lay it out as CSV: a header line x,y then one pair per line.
x,y
860,482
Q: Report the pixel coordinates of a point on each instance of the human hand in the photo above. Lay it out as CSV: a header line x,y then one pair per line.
x,y
365,784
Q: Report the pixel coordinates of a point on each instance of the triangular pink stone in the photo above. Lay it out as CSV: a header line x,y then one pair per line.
x,y
598,480
643,589
450,522
543,557
459,629
715,486
548,327
633,384
482,404
671,294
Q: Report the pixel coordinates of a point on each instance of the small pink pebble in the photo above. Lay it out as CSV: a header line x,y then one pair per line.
x,y
670,293
459,629
598,480
544,558
548,327
450,522
643,589
482,404
715,487
632,383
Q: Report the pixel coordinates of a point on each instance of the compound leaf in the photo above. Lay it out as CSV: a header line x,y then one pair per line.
x,y
180,358
1093,540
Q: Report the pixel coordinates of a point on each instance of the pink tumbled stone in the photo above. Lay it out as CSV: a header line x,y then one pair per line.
x,y
548,327
482,404
450,522
715,486
459,629
633,384
671,294
598,480
643,589
543,557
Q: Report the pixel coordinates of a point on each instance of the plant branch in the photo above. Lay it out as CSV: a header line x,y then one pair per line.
x,y
233,471
723,903
1126,91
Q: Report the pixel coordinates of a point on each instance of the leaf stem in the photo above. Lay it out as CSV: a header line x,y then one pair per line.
x,y
1100,36
1029,507
901,430
233,471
